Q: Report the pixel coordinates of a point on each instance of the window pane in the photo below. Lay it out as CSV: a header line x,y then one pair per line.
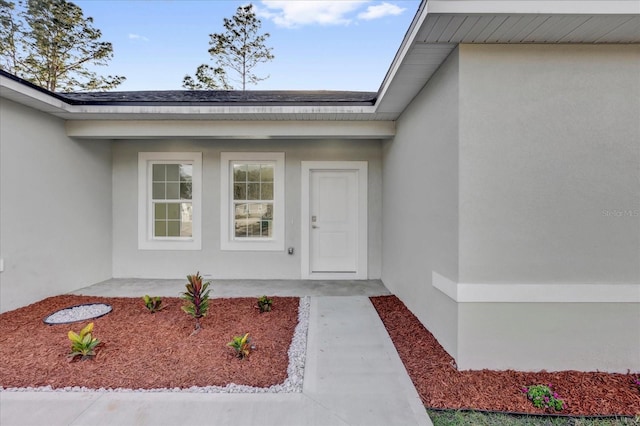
x,y
266,191
185,190
158,172
240,172
173,211
160,228
253,172
268,214
253,191
186,229
266,228
173,172
173,191
266,173
158,191
240,191
240,221
160,211
173,228
253,228
186,219
186,172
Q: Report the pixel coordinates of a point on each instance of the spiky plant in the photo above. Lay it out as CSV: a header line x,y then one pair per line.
x,y
197,298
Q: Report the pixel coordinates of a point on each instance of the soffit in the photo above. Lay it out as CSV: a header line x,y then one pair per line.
x,y
441,25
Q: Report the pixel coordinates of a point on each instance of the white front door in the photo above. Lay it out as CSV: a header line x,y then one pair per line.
x,y
334,220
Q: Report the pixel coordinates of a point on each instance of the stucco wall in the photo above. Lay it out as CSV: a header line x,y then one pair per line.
x,y
550,142
549,194
128,261
55,208
420,192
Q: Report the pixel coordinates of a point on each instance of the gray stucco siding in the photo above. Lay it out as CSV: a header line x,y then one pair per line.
x,y
550,148
55,208
420,192
129,261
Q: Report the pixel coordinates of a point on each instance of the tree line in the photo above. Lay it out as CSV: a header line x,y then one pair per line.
x,y
52,44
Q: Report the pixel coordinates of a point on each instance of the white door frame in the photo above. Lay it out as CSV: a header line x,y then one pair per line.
x,y
361,167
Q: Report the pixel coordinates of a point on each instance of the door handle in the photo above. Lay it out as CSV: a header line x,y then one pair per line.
x,y
315,226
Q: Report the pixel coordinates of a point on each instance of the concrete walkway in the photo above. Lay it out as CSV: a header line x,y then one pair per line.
x,y
353,376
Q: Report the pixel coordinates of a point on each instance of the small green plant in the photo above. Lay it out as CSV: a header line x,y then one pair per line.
x,y
197,298
264,304
153,304
83,344
543,396
241,345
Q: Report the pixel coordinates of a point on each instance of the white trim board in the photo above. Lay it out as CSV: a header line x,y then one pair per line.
x,y
145,238
537,293
227,240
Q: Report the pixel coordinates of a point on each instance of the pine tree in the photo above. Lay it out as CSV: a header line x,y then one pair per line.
x,y
239,50
52,44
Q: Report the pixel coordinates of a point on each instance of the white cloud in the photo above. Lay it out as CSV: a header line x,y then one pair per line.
x,y
380,10
291,14
137,37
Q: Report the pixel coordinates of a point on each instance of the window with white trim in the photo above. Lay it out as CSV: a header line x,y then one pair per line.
x,y
169,200
252,200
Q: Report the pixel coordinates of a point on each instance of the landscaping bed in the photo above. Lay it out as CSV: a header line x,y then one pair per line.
x,y
441,385
141,350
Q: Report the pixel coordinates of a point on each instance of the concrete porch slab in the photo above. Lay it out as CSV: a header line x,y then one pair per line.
x,y
138,287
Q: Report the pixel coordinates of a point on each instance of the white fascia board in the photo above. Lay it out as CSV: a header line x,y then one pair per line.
x,y
20,93
405,48
139,111
201,129
537,293
561,7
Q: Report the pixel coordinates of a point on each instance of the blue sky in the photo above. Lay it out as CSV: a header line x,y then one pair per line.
x,y
318,45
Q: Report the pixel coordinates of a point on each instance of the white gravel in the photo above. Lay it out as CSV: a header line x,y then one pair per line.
x,y
78,313
293,383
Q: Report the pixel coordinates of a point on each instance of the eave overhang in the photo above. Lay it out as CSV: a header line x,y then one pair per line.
x,y
437,28
441,25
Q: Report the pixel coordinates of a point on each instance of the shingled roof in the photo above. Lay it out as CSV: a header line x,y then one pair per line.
x,y
222,97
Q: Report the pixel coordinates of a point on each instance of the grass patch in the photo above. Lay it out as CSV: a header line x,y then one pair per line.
x,y
475,418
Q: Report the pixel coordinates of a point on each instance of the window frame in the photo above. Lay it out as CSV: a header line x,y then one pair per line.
x,y
146,239
228,240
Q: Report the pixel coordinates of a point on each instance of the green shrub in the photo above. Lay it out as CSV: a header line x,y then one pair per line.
x,y
241,345
83,344
543,396
153,304
264,304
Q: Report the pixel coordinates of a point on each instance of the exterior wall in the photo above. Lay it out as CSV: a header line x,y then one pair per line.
x,y
55,208
549,194
549,336
420,192
128,261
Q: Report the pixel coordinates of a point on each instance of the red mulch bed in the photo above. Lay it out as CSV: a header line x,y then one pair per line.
x,y
140,350
442,386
